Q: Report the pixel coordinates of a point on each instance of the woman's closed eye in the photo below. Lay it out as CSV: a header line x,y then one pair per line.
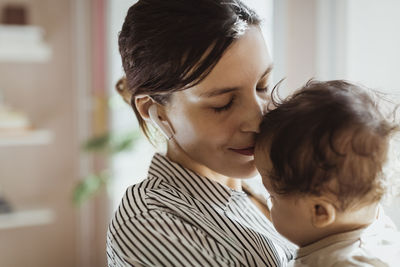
x,y
224,107
262,89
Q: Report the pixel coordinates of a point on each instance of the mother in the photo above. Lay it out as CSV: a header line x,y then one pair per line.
x,y
198,70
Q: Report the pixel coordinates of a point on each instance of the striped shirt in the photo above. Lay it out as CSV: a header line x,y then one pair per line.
x,y
177,218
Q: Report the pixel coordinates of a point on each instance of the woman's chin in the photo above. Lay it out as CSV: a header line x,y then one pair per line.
x,y
251,174
243,172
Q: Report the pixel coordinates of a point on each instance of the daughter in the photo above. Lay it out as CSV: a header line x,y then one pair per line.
x,y
321,154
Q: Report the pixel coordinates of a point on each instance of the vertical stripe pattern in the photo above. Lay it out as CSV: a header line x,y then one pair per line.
x,y
178,218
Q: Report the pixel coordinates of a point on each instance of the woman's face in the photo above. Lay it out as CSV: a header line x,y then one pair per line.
x,y
215,122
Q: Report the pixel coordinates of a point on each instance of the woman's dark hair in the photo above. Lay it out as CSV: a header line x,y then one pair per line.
x,y
170,45
327,137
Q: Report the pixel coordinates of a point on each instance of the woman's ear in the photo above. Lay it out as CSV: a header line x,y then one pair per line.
x,y
143,104
152,112
323,212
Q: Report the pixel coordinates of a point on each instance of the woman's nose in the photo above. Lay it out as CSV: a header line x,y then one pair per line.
x,y
252,114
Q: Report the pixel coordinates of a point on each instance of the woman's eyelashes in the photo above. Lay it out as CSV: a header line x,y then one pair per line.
x,y
224,107
263,85
260,89
263,89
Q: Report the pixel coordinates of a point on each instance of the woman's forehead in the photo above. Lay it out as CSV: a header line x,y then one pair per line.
x,y
243,65
248,54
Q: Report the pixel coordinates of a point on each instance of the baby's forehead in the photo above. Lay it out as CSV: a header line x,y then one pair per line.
x,y
262,147
262,159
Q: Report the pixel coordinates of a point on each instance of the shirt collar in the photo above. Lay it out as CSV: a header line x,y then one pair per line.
x,y
199,187
330,240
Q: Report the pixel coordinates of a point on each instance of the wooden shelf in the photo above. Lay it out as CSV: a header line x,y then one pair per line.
x,y
23,44
26,218
25,53
32,137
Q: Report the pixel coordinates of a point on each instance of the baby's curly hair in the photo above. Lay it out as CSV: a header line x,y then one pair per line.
x,y
327,137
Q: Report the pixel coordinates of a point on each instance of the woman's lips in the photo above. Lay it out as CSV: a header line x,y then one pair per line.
x,y
249,151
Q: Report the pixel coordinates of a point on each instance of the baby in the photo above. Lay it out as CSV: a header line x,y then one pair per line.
x,y
321,154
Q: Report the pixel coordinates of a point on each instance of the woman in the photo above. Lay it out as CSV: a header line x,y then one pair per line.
x,y
199,72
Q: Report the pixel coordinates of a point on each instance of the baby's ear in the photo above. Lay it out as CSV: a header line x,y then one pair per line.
x,y
323,212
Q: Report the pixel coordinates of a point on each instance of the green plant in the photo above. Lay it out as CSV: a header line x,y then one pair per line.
x,y
107,145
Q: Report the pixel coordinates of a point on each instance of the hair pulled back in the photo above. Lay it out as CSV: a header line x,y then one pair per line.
x,y
170,45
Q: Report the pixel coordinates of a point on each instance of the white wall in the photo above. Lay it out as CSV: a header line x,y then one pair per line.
x,y
294,49
373,43
373,53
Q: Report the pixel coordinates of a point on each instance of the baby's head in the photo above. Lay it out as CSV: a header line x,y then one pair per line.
x,y
320,154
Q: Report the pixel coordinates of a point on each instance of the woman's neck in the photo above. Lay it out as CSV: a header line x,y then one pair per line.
x,y
177,155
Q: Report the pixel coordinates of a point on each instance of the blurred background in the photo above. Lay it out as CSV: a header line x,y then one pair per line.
x,y
69,145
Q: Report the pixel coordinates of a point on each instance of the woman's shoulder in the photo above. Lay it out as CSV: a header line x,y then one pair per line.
x,y
150,195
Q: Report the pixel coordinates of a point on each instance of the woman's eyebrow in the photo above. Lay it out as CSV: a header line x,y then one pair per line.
x,y
220,91
267,71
